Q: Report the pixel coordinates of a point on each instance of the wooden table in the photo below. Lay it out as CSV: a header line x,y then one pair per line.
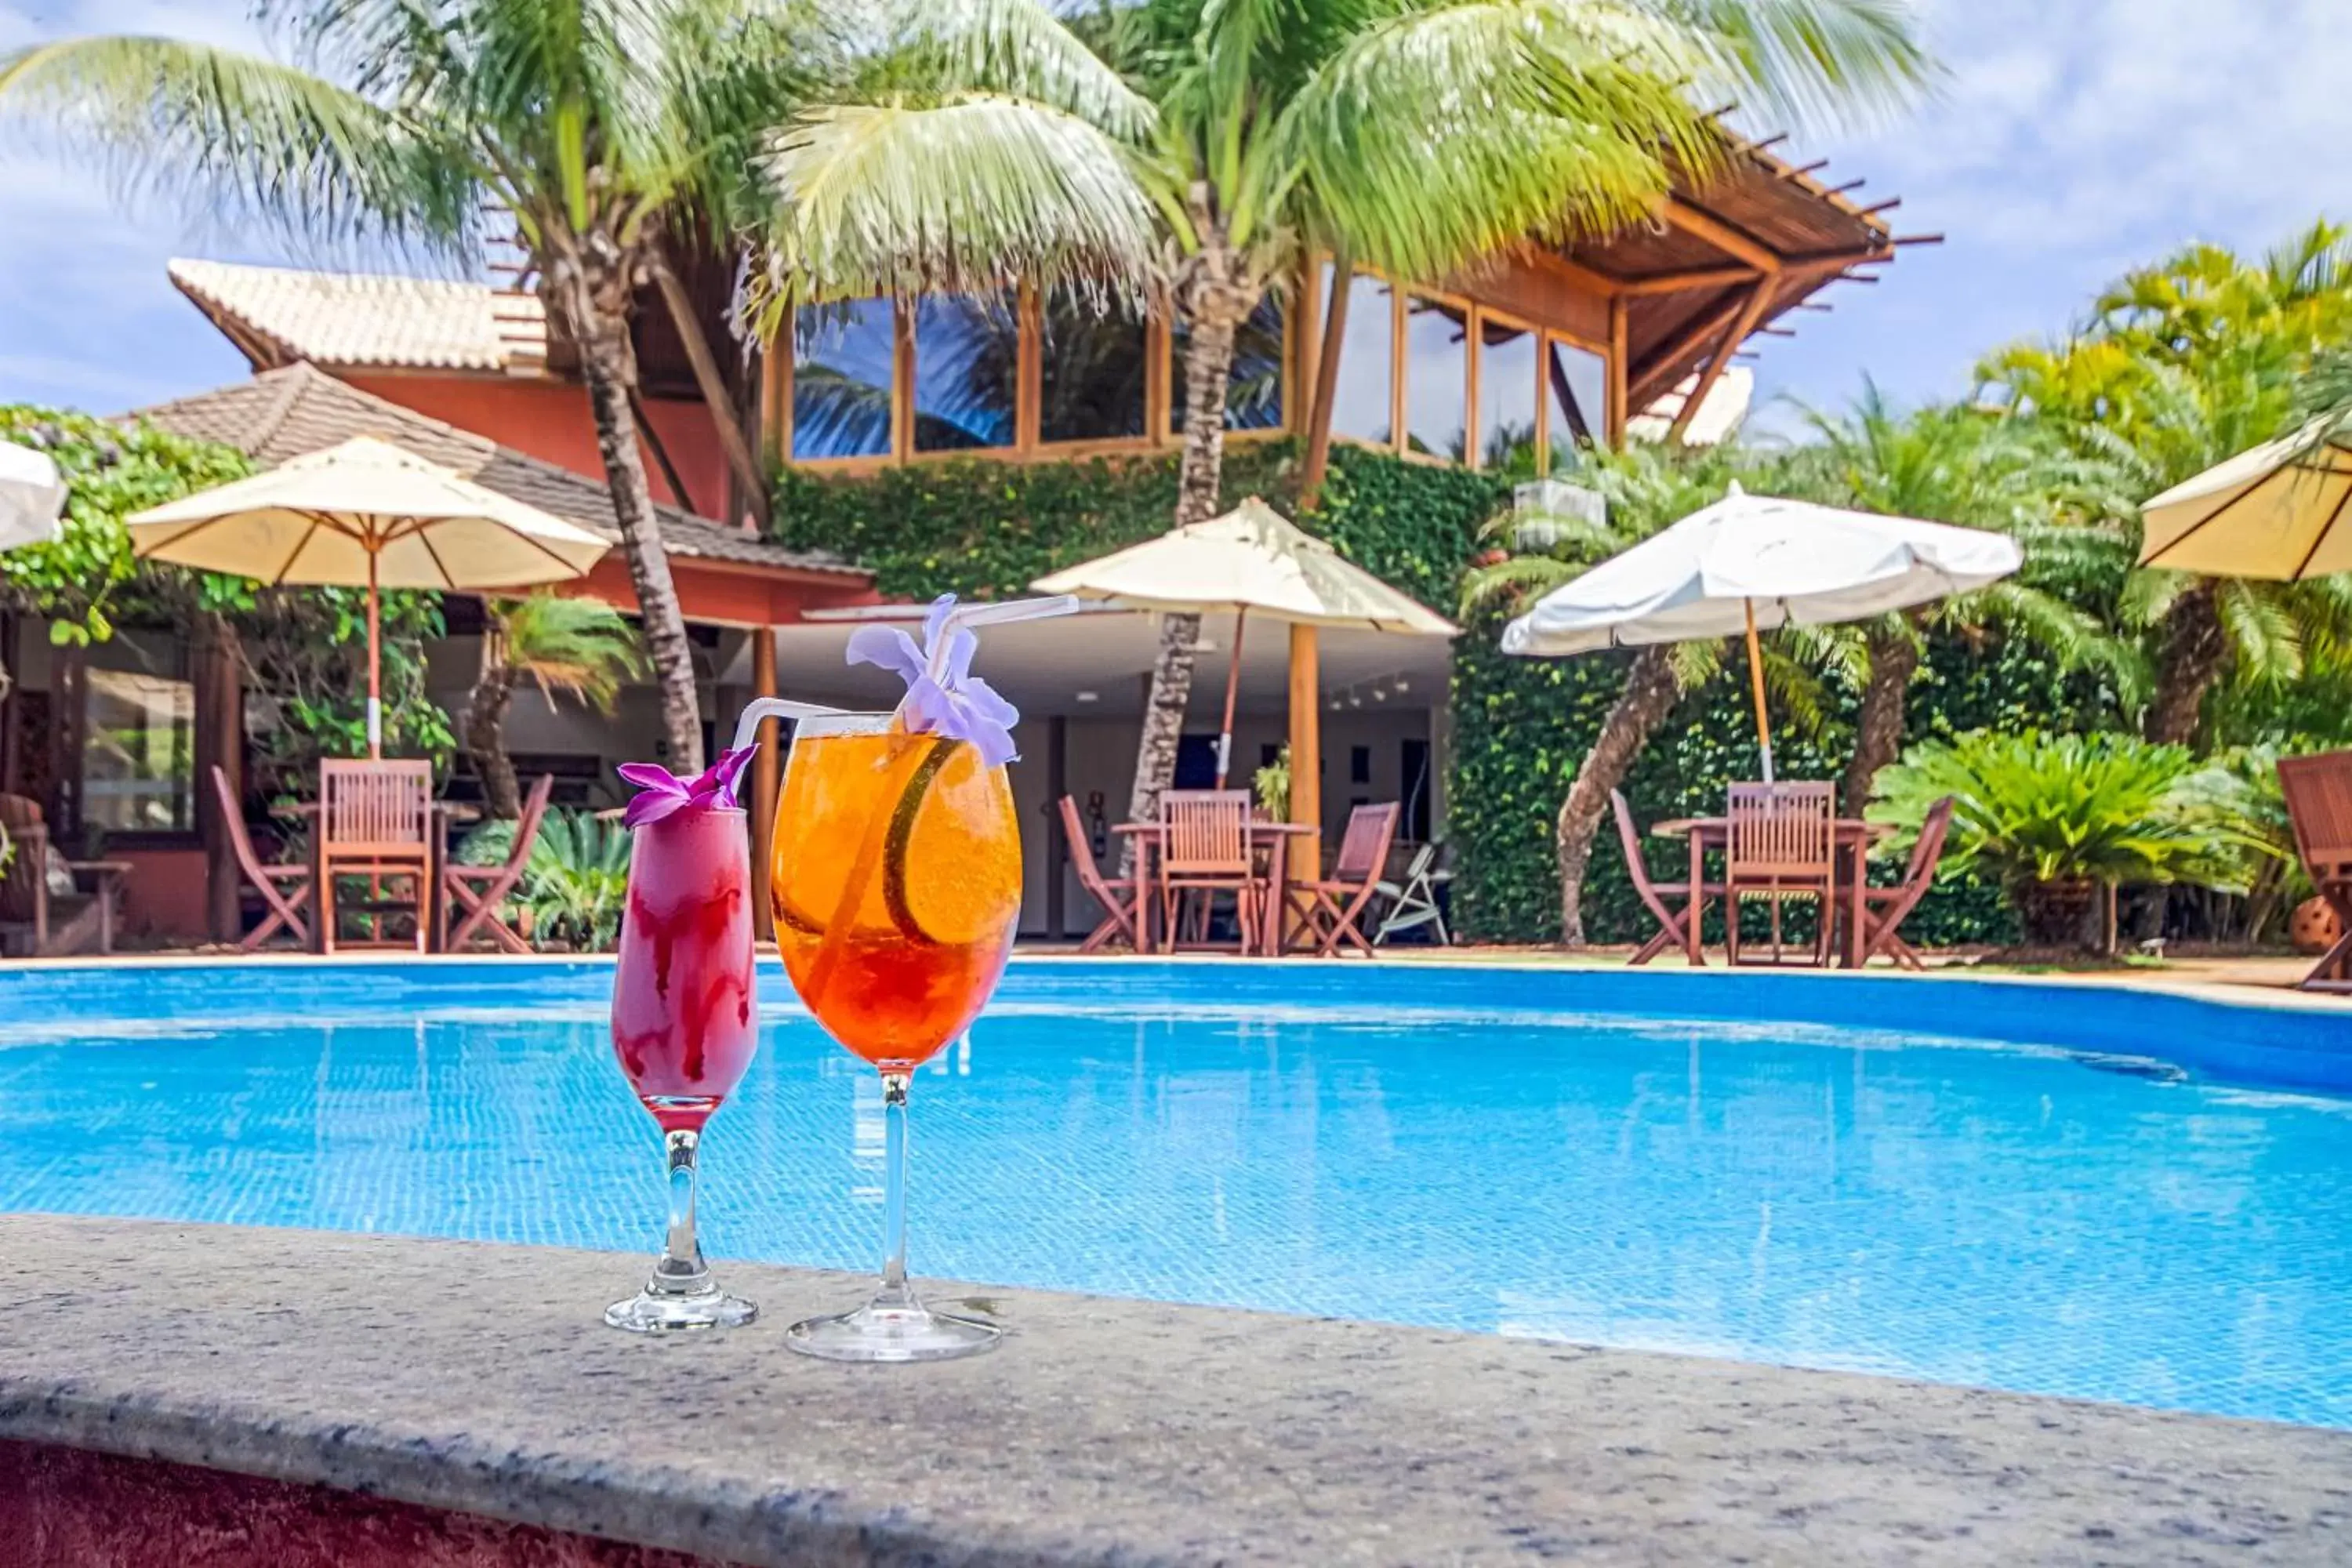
x,y
1273,838
1854,837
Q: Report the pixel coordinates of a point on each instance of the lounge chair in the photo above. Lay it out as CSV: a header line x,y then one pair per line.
x,y
478,893
1335,904
2318,791
1780,843
1412,899
57,923
284,886
1885,908
1115,895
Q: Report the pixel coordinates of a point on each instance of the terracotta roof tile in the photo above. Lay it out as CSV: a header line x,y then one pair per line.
x,y
354,319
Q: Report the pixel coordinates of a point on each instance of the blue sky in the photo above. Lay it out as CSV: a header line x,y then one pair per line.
x,y
2072,139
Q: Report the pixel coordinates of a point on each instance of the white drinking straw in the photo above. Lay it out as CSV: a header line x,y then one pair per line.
x,y
997,615
747,728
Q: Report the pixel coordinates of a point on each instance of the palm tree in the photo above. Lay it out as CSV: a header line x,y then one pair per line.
x,y
1957,465
595,129
582,647
1413,137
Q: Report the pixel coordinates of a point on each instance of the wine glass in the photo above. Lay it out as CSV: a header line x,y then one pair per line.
x,y
896,890
685,1021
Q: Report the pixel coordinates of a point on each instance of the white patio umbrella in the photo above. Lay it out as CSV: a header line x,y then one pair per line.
x,y
1251,558
366,514
32,496
2280,511
1749,563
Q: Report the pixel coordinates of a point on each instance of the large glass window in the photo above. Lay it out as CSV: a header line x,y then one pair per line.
x,y
1436,378
1096,364
1253,386
1508,367
1576,380
139,737
1361,406
842,356
967,372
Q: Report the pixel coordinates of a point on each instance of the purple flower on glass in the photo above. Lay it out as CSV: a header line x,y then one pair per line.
x,y
661,793
954,702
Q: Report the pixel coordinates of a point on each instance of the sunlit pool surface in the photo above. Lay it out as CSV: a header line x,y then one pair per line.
x,y
2084,1222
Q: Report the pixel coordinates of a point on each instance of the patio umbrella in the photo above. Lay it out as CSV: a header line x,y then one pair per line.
x,y
2280,511
1251,558
366,514
1748,563
32,496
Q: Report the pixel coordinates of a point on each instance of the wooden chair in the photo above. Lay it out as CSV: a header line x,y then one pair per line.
x,y
1206,850
375,820
2318,791
58,924
1115,895
1780,843
1336,903
1412,899
1885,908
284,886
479,892
1674,925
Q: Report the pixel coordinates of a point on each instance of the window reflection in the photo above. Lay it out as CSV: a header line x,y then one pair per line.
x,y
1254,388
1436,378
138,764
841,380
1576,380
1095,362
1507,367
967,369
1360,408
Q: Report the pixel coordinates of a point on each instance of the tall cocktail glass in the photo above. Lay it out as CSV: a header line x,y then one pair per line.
x,y
896,890
685,1020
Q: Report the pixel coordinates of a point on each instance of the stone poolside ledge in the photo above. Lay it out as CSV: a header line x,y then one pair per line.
x,y
476,1379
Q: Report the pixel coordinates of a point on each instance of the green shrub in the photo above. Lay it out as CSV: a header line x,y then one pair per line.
x,y
576,882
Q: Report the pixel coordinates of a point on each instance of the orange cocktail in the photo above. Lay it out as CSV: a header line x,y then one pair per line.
x,y
897,884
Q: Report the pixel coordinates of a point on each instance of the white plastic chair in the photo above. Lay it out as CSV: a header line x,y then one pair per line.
x,y
1413,902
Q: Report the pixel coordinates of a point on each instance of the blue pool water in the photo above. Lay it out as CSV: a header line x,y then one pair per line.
x,y
1498,1151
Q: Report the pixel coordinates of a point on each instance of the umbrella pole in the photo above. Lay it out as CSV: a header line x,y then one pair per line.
x,y
1233,685
1756,684
375,667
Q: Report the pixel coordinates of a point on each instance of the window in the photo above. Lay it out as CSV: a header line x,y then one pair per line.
x,y
1508,364
1253,386
967,372
1359,404
1436,378
1576,381
139,737
842,357
1094,365
1360,765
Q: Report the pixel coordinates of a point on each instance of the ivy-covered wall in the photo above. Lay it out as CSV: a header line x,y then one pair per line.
x,y
1520,726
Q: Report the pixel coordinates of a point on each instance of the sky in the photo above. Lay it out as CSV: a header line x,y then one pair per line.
x,y
2070,138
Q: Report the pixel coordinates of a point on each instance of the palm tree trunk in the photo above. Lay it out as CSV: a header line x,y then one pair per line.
x,y
1643,706
2195,647
1878,727
485,734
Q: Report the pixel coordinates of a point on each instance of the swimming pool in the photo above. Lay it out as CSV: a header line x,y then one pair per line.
x,y
2069,1191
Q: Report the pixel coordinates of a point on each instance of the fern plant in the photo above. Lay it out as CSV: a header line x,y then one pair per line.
x,y
575,882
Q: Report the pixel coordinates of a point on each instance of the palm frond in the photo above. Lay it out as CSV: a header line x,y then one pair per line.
x,y
1520,577
1815,64
1018,47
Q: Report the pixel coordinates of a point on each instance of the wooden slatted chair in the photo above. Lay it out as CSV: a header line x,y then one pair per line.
x,y
1335,904
1885,908
1782,845
375,820
1206,851
284,886
1674,925
2318,791
479,892
1115,895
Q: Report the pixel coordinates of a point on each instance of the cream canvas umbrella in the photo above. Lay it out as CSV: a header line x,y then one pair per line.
x,y
2282,510
1753,562
1251,558
366,514
32,496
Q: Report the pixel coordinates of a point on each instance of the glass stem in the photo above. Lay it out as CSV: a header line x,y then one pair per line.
x,y
681,1272
894,1291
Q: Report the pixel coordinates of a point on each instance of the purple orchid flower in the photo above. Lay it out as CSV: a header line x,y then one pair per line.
x,y
661,793
954,702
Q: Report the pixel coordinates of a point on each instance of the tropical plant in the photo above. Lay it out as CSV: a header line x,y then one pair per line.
x,y
1272,783
576,882
582,647
2058,819
597,129
1412,137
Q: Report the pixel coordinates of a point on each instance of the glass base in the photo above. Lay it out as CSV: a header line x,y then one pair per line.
x,y
664,1312
892,1333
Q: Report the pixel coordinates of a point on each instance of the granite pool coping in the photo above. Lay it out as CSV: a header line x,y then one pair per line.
x,y
476,1377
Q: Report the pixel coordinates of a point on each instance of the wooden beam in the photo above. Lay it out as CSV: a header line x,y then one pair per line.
x,y
1767,143
1574,272
1918,239
1678,282
1742,324
1616,413
763,782
1734,242
1889,205
1658,369
1799,170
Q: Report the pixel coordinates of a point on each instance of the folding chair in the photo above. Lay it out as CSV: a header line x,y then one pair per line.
x,y
284,885
2318,791
1120,907
480,891
1780,843
1414,901
1674,926
1884,908
1355,878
